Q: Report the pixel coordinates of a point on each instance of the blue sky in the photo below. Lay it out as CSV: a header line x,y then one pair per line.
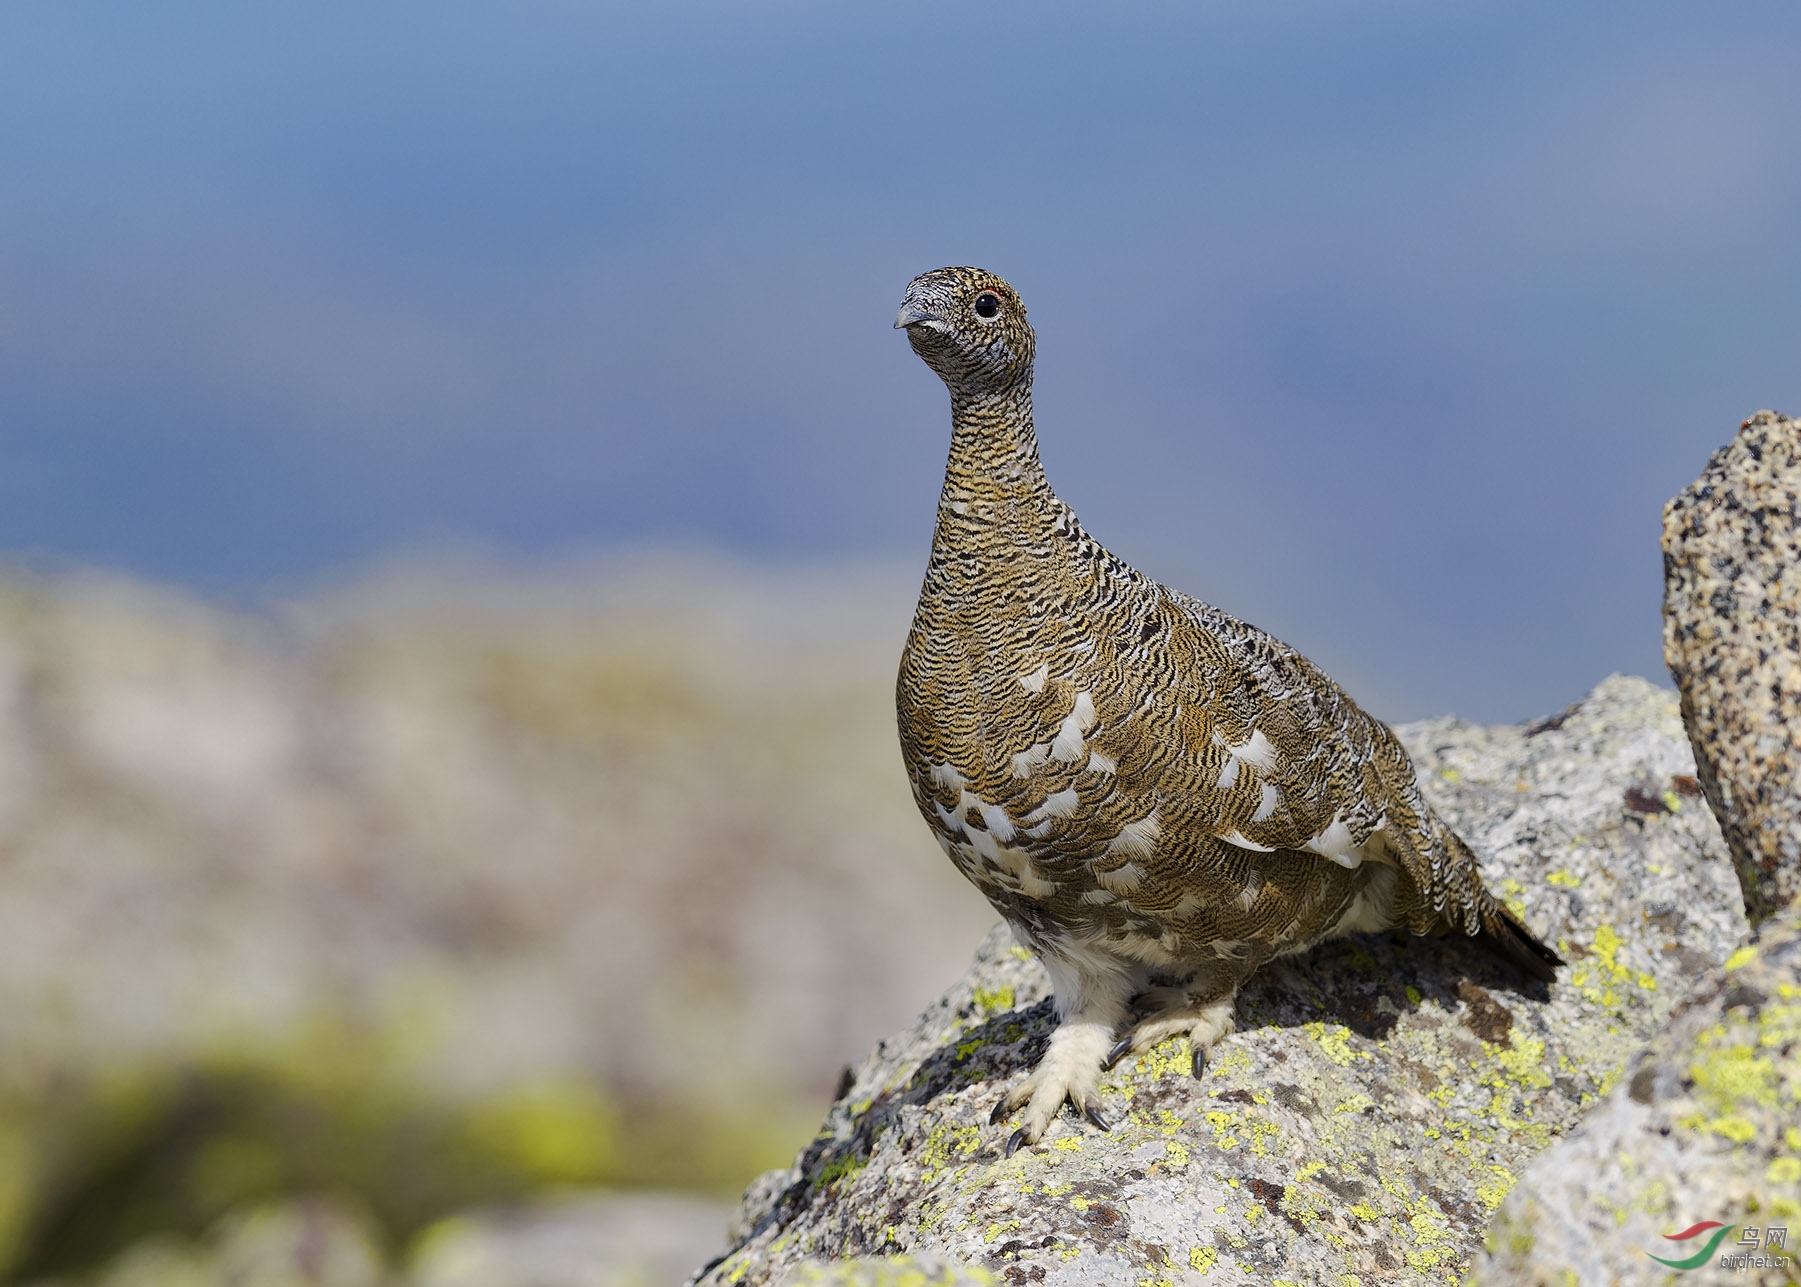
x,y
1389,326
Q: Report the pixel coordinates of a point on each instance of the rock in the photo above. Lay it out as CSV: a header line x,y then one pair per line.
x,y
443,889
889,1271
1376,1105
569,1239
1704,1126
299,1243
1732,639
593,1240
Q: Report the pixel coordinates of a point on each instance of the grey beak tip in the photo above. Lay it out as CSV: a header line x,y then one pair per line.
x,y
912,314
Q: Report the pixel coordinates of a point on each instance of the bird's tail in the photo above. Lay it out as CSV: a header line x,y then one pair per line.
x,y
1506,938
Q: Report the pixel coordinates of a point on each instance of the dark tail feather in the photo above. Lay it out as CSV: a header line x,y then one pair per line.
x,y
1507,938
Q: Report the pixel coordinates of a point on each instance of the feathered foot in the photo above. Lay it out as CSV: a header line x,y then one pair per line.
x,y
1174,1012
1069,1073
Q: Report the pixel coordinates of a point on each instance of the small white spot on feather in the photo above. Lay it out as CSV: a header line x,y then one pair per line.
x,y
1266,807
1235,837
1335,843
1122,880
1248,895
1059,804
1098,763
1068,745
1030,758
1137,839
1257,751
1188,905
1034,682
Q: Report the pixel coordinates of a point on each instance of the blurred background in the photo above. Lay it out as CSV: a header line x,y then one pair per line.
x,y
462,498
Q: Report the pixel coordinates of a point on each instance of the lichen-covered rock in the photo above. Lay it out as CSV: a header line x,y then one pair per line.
x,y
442,889
570,1240
1732,638
299,1243
1704,1126
587,1238
889,1271
1382,1092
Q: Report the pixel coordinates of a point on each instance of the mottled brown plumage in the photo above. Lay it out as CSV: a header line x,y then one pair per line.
x,y
1156,796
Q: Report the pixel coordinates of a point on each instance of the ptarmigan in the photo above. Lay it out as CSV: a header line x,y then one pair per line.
x,y
1156,796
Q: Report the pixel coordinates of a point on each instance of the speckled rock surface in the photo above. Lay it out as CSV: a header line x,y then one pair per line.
x,y
1704,1126
568,1240
298,1243
1380,1098
888,1271
1732,638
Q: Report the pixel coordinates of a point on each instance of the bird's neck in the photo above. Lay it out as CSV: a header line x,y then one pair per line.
x,y
993,474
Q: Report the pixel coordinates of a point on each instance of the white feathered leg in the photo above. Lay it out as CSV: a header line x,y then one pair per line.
x,y
1093,1005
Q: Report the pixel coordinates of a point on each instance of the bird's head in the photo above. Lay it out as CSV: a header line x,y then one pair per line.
x,y
970,328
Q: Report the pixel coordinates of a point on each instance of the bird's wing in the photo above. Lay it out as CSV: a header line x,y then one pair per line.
x,y
1273,755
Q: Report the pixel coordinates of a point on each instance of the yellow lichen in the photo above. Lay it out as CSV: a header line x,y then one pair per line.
x,y
993,1000
1335,1040
1524,1062
1491,1191
946,1145
1222,1124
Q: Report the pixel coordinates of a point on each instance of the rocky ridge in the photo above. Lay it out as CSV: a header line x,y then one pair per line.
x,y
1375,1108
1695,1159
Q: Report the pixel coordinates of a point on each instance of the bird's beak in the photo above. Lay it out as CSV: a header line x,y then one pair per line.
x,y
913,314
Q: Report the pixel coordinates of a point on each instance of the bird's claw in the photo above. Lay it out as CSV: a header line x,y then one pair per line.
x,y
1000,1114
1200,1062
1092,1112
1015,1140
1119,1051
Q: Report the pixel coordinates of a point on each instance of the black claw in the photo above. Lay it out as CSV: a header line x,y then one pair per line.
x,y
999,1114
1116,1054
1200,1062
1015,1140
1093,1114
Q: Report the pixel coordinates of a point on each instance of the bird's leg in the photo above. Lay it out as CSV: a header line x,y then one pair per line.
x,y
1071,1068
1202,1011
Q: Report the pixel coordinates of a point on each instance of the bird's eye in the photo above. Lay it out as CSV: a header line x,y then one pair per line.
x,y
987,304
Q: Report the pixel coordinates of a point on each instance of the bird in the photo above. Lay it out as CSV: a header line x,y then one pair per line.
x,y
1156,796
